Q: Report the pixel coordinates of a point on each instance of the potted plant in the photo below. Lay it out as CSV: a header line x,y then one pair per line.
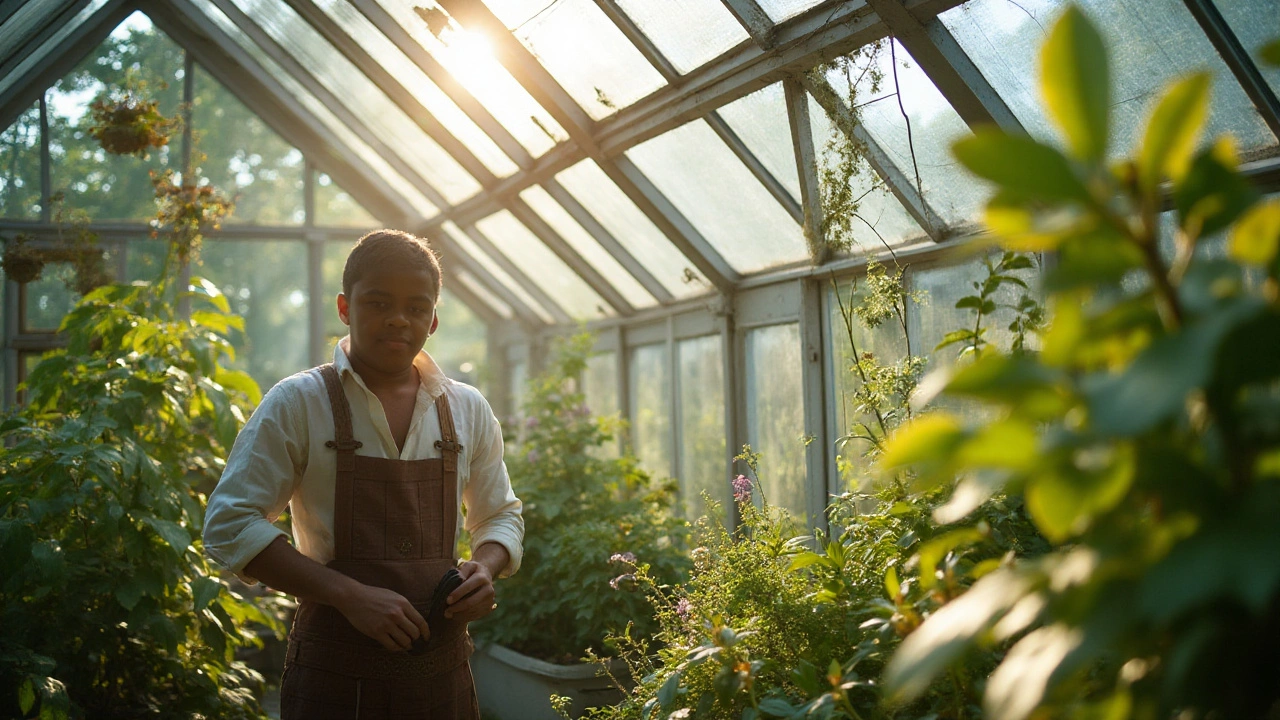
x,y
591,522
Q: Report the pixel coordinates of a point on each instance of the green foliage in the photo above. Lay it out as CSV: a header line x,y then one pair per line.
x,y
1142,439
591,524
110,609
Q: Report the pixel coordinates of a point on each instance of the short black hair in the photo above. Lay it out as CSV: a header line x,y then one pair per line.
x,y
390,248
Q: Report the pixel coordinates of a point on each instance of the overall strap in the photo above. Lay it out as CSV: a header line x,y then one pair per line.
x,y
344,440
448,443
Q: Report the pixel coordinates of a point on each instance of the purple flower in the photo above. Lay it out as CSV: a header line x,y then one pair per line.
x,y
742,489
532,456
683,608
625,557
531,422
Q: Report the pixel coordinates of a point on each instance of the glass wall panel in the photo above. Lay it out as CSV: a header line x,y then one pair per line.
x,y
542,266
780,10
24,68
468,246
649,377
583,50
48,298
336,207
600,387
558,218
702,177
244,158
441,107
468,56
461,344
331,267
265,283
1150,43
760,119
701,432
362,98
368,156
517,379
775,414
687,32
612,208
113,187
469,283
1247,19
20,167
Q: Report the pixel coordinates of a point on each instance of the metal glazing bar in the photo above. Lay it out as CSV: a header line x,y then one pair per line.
x,y
451,253
807,167
813,361
569,255
116,231
1237,58
462,97
49,23
641,41
354,122
607,240
188,100
62,59
527,70
498,257
46,164
753,19
757,168
238,71
671,222
391,87
947,65
477,306
898,184
9,7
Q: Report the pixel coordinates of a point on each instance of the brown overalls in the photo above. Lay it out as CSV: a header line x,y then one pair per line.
x,y
393,527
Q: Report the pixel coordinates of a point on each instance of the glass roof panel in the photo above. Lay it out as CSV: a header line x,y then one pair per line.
x,y
881,217
1150,41
366,154
19,26
760,119
362,97
33,59
724,201
478,290
610,206
934,126
469,58
469,246
1242,16
780,10
416,82
563,223
688,32
583,50
543,266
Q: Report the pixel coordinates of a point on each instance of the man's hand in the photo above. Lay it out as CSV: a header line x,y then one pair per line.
x,y
474,598
385,616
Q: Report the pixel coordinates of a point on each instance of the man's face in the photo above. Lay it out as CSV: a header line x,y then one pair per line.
x,y
390,314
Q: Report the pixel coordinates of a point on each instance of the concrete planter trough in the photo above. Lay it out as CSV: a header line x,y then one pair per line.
x,y
512,686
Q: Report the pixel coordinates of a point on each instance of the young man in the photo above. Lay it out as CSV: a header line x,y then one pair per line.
x,y
372,455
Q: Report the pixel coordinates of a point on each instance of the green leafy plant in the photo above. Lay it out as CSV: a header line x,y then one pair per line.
x,y
127,122
1142,439
591,524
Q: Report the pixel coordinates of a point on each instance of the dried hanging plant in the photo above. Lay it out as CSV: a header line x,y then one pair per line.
x,y
126,123
22,263
187,211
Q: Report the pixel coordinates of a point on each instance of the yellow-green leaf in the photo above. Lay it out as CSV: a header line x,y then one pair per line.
x,y
1077,84
1270,53
925,439
1173,131
1010,444
1256,238
1020,165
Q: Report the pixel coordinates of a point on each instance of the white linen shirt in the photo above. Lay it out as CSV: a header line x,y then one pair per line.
x,y
279,459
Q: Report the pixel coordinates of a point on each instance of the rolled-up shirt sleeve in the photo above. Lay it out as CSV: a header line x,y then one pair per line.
x,y
266,461
493,510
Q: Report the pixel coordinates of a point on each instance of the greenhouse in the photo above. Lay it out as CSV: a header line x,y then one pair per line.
x,y
901,356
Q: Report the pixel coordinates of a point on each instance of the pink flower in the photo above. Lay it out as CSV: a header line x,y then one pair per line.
x,y
742,489
532,457
683,608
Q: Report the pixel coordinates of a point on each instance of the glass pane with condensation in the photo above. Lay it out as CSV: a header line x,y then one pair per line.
x,y
780,10
348,138
600,383
477,289
563,223
408,73
335,206
880,217
583,50
702,177
760,119
1243,17
25,21
468,56
500,276
700,364
1150,43
41,53
687,32
775,415
543,266
362,98
915,126
649,374
612,208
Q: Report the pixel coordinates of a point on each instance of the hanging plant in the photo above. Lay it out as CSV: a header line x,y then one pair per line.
x,y
74,243
126,123
22,263
187,211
